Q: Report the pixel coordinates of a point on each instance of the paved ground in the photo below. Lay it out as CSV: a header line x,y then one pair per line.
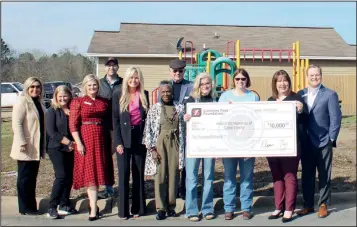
x,y
341,215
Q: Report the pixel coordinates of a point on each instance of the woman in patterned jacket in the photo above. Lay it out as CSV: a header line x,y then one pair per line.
x,y
164,140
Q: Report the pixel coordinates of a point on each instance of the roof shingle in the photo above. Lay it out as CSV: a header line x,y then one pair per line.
x,y
141,38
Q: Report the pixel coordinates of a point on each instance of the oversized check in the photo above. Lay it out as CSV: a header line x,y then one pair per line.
x,y
246,129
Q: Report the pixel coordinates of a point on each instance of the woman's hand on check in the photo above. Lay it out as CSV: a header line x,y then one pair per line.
x,y
229,101
187,117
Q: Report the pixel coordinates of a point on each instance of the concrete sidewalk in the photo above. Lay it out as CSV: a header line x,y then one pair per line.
x,y
339,215
9,205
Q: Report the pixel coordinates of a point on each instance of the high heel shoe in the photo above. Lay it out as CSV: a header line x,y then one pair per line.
x,y
281,213
284,220
96,217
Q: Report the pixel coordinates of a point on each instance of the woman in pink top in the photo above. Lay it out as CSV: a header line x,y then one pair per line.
x,y
130,106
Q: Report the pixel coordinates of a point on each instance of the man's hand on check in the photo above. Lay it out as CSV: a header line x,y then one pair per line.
x,y
299,106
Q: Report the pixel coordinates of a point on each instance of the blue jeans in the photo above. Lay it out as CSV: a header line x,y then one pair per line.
x,y
192,166
246,169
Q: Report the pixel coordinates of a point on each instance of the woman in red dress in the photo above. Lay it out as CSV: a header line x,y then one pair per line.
x,y
89,124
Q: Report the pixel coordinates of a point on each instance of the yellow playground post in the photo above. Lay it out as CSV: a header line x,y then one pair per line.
x,y
238,54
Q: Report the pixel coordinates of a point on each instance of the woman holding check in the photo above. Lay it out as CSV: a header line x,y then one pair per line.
x,y
240,93
284,169
203,91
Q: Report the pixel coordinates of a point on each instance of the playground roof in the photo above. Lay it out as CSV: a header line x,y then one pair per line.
x,y
159,40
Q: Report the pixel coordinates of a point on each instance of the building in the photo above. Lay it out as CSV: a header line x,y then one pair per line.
x,y
152,46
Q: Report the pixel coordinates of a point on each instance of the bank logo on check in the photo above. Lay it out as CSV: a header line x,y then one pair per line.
x,y
196,112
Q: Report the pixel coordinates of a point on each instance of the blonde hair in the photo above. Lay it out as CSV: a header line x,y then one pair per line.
x,y
86,79
196,91
28,82
124,100
54,102
313,66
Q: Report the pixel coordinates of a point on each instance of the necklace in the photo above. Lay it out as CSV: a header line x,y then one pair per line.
x,y
174,114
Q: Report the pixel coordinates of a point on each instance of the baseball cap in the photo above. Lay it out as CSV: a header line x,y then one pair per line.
x,y
114,60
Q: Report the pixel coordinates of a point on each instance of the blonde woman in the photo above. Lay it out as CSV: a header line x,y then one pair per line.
x,y
89,123
130,106
203,91
60,147
28,146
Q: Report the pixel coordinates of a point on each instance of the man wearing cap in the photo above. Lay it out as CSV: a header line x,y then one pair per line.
x,y
107,85
181,91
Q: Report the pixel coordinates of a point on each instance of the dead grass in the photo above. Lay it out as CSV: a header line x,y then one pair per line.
x,y
343,172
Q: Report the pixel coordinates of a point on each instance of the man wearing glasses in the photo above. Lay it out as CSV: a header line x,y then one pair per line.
x,y
107,85
181,91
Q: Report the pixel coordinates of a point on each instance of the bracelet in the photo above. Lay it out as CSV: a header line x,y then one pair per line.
x,y
70,143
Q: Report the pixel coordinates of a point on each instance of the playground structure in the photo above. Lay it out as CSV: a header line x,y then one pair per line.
x,y
221,67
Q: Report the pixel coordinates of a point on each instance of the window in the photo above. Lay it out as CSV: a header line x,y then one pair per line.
x,y
7,88
19,86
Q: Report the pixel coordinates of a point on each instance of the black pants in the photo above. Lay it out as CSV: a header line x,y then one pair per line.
x,y
322,159
136,154
182,189
63,166
26,185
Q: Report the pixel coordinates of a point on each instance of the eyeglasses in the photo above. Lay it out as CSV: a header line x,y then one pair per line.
x,y
238,79
177,70
205,84
35,86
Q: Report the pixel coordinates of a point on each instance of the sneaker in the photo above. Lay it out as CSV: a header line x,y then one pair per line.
x,y
52,213
103,195
66,210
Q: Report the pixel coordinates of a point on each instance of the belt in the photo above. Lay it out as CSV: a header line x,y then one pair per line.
x,y
91,123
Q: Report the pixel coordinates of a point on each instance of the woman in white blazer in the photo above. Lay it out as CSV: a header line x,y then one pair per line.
x,y
28,124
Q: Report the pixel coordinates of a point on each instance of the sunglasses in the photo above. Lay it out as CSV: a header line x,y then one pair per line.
x,y
178,70
238,79
35,86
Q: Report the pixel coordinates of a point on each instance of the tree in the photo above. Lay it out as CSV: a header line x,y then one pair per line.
x,y
66,65
7,60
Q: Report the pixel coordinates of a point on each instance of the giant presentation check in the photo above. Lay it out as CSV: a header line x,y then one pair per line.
x,y
246,129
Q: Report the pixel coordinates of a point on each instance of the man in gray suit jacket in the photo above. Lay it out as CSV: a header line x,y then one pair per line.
x,y
323,127
181,91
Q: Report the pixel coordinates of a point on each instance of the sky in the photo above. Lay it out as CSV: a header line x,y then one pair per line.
x,y
51,26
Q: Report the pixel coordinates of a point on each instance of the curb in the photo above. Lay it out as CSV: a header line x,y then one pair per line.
x,y
109,206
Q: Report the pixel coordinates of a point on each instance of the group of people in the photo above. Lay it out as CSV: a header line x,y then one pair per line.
x,y
114,115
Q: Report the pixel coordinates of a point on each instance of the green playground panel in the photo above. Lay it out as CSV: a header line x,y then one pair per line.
x,y
216,70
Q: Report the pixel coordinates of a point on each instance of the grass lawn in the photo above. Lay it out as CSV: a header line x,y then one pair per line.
x,y
343,171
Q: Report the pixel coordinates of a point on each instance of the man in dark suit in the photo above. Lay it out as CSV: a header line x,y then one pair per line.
x,y
107,85
181,91
323,127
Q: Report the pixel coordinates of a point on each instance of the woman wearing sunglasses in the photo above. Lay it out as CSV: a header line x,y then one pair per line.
x,y
239,93
28,146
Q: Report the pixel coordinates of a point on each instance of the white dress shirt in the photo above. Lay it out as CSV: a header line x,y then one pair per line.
x,y
311,95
